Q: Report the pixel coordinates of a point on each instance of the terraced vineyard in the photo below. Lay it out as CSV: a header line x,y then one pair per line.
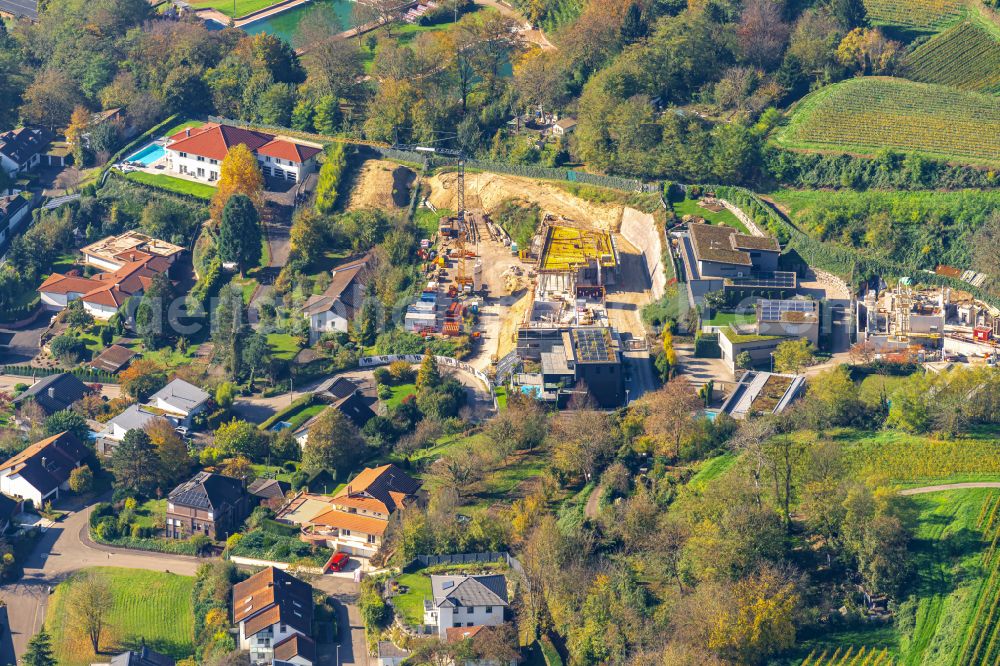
x,y
982,640
849,657
966,56
923,15
868,114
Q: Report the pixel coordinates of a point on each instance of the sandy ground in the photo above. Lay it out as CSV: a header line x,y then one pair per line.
x,y
372,186
489,190
625,300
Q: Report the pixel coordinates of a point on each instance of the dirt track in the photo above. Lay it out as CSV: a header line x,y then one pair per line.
x,y
489,190
950,486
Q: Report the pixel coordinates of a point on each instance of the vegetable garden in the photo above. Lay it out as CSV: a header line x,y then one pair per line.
x,y
870,114
966,56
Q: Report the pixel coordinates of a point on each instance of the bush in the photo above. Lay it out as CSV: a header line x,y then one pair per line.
x,y
67,348
290,466
81,479
101,509
107,529
330,175
382,375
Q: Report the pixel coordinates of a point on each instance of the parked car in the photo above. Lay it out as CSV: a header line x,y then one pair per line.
x,y
338,562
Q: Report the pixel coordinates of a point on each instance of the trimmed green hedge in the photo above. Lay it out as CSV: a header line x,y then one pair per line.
x,y
297,404
85,373
171,546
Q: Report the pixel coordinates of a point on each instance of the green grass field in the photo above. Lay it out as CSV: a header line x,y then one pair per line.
x,y
171,184
411,604
966,56
283,345
866,115
711,469
399,392
184,124
691,207
727,318
148,605
234,8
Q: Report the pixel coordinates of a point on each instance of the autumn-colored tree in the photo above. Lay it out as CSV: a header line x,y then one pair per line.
x,y
669,412
240,468
239,174
868,51
793,355
79,122
142,378
91,602
174,459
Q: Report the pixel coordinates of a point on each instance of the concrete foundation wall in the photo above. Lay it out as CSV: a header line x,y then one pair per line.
x,y
640,230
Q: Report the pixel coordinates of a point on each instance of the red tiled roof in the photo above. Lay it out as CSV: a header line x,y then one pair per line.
x,y
289,150
57,283
215,142
458,634
192,131
351,521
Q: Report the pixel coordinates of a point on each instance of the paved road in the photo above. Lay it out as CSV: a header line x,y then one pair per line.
x,y
67,548
63,549
950,486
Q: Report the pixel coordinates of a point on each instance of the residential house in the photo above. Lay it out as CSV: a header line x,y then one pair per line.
x,y
135,417
114,359
389,654
143,657
465,601
54,393
197,152
334,309
21,149
563,126
180,401
9,507
356,519
274,611
116,252
778,320
127,272
40,471
209,504
269,492
355,406
15,210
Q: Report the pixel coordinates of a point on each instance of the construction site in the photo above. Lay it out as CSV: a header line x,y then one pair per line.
x,y
936,322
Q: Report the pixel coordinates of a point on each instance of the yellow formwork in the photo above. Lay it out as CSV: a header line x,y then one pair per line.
x,y
568,248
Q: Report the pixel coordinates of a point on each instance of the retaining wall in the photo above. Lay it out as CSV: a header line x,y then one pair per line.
x,y
640,230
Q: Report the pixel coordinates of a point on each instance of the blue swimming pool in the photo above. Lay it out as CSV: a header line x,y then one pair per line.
x,y
148,155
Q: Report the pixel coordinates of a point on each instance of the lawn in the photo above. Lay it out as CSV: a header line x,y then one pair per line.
x,y
726,318
411,605
184,124
148,605
427,220
399,392
273,472
247,285
712,469
691,207
147,512
283,345
304,414
171,184
242,7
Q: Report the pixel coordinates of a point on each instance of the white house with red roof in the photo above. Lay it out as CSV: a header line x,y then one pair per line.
x,y
133,261
197,152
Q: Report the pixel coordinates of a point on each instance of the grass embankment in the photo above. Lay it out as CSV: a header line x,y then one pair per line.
x,y
148,605
171,184
242,7
866,115
691,207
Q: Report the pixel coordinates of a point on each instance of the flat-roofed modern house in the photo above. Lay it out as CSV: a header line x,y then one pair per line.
x,y
274,612
717,257
465,601
40,471
197,152
209,504
114,252
570,354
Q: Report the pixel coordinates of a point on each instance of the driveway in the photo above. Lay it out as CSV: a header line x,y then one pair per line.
x,y
24,343
354,651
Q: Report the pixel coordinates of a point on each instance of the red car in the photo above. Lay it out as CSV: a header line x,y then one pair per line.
x,y
338,562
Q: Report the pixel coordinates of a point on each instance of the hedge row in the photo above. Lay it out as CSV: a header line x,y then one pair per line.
x,y
170,546
330,175
297,404
135,143
85,373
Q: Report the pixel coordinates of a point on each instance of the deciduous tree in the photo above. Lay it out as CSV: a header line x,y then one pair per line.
x,y
91,603
334,443
239,174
